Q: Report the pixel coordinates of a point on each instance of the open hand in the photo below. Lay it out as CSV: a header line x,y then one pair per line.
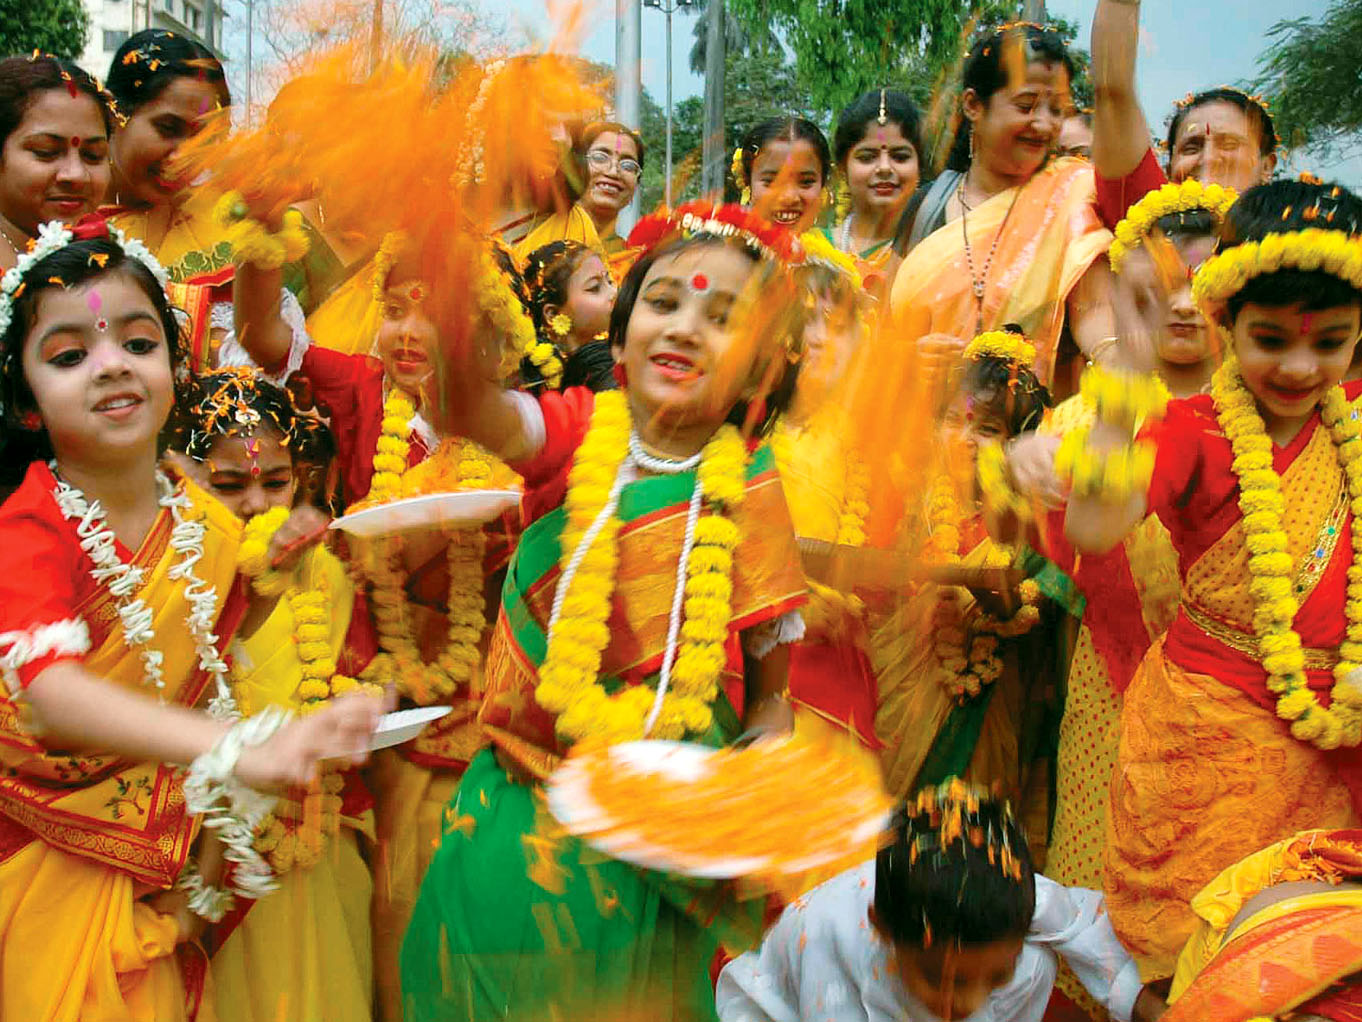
x,y
304,527
339,731
1031,464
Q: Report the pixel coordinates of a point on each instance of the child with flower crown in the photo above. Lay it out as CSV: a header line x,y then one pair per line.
x,y
119,592
948,921
652,594
569,296
973,700
1131,594
306,949
1243,722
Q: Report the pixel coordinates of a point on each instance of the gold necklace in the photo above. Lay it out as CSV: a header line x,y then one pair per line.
x,y
979,283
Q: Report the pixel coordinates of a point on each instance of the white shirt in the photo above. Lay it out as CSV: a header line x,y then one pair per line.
x,y
823,962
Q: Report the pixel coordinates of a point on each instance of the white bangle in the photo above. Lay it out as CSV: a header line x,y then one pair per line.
x,y
205,901
230,807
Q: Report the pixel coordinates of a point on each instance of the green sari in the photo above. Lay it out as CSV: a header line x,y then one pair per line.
x,y
515,919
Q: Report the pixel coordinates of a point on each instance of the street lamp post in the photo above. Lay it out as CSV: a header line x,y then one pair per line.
x,y
668,9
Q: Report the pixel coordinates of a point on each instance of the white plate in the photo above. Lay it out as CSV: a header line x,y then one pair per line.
x,y
431,510
570,802
404,725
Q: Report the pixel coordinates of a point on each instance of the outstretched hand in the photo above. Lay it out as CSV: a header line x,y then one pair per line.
x,y
339,731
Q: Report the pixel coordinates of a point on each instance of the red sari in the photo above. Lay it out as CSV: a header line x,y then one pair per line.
x,y
1207,772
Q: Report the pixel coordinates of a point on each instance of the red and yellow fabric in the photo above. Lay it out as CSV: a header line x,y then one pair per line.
x,y
84,837
1207,772
304,951
1253,957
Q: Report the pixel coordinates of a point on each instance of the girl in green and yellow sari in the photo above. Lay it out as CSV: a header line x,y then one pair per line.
x,y
602,636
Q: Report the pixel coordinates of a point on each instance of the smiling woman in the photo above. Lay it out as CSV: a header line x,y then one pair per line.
x,y
54,147
613,155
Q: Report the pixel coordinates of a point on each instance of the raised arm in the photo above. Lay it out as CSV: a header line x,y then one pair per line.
x,y
1120,134
260,328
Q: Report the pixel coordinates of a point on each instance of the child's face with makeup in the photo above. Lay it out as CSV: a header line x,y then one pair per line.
x,y
407,337
678,346
250,474
1289,357
97,361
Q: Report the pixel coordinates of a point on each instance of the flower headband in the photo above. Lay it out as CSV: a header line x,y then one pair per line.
x,y
55,236
1331,251
227,405
726,221
1188,197
818,251
1002,344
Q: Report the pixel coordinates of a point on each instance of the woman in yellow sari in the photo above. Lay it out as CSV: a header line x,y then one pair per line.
x,y
117,595
304,951
1004,235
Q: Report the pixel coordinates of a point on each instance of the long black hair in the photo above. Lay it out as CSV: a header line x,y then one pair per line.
x,y
1284,206
73,265
986,71
957,871
780,396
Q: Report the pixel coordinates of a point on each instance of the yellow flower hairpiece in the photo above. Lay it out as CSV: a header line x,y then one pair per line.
x,y
1225,273
736,167
1002,344
1172,198
497,298
384,260
817,249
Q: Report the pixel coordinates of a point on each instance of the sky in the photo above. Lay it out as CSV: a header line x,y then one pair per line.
x,y
1186,46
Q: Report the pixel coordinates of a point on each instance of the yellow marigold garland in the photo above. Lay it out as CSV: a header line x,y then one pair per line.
x,y
252,242
999,496
392,449
294,834
496,297
1123,397
568,678
1115,475
1002,344
1271,567
384,261
1186,197
740,176
1225,273
456,464
818,249
967,651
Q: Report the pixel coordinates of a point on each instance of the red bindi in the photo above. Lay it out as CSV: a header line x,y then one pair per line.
x,y
1306,320
699,282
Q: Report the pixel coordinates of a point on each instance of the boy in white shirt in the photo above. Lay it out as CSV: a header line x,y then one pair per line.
x,y
948,922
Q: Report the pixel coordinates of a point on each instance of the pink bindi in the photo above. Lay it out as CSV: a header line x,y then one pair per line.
x,y
1306,320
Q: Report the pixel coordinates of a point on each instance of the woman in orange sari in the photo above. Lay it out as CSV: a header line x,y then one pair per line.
x,y
1243,722
1278,936
1004,235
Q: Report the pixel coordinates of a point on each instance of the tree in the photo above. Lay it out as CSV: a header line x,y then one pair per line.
x,y
60,27
1309,73
843,48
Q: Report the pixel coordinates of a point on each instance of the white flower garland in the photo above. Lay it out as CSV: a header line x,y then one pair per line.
x,y
226,805
123,580
69,638
54,236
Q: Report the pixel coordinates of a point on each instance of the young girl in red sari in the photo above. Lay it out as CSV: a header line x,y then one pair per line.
x,y
627,612
118,595
1243,722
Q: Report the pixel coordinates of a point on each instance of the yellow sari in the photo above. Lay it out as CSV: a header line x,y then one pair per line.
x,y
83,838
347,320
302,952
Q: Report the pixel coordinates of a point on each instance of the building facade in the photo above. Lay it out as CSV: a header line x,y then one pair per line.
x,y
112,21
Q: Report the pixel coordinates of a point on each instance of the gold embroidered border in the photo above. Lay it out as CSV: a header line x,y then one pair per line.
x,y
1243,642
1312,567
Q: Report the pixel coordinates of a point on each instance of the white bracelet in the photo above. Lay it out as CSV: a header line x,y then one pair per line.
x,y
205,901
230,807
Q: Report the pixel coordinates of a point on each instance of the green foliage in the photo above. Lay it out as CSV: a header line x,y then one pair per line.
x,y
1309,73
60,27
843,48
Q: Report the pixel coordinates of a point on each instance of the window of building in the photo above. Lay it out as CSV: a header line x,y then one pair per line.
x,y
170,6
193,17
114,38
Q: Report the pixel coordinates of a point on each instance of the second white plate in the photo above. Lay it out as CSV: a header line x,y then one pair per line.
x,y
431,510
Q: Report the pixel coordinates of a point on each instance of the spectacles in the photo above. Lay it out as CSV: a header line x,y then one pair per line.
x,y
600,159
